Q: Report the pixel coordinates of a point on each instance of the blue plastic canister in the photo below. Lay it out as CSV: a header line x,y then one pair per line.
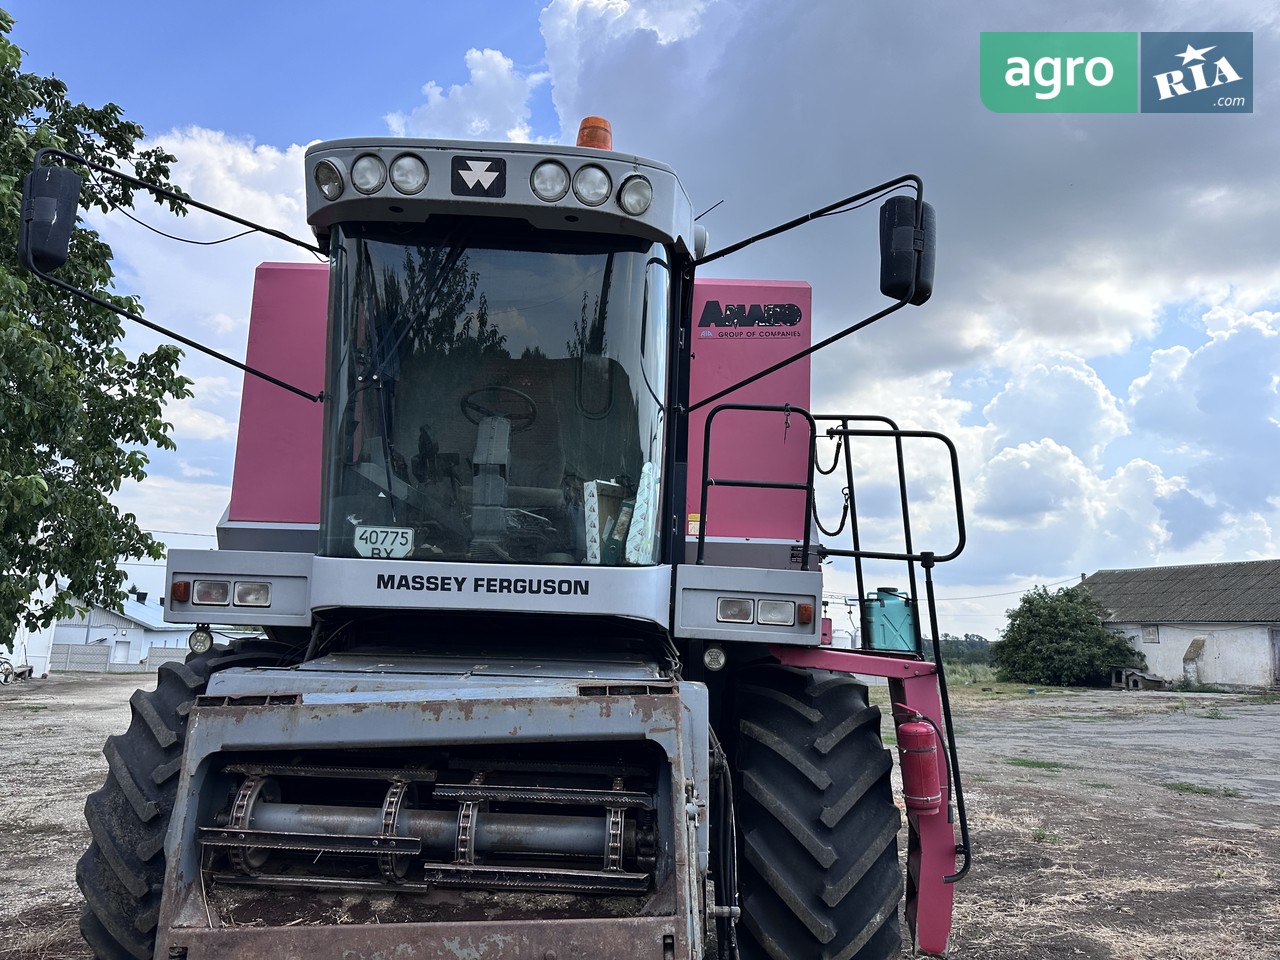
x,y
888,621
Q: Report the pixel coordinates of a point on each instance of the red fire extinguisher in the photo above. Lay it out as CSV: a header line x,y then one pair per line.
x,y
918,756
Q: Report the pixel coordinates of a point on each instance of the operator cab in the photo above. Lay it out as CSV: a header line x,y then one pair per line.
x,y
499,350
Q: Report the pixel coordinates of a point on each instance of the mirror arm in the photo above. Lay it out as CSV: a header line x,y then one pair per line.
x,y
172,335
798,356
824,211
172,195
909,178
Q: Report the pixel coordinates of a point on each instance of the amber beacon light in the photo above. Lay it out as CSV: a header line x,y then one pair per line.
x,y
595,132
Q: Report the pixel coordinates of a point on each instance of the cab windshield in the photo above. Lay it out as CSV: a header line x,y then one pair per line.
x,y
495,398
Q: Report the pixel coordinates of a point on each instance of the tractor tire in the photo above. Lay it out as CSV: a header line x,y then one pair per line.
x,y
818,869
122,873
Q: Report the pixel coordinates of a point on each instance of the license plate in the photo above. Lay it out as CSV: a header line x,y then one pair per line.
x,y
394,542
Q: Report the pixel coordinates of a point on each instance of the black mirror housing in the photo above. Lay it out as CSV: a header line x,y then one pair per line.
x,y
50,199
907,255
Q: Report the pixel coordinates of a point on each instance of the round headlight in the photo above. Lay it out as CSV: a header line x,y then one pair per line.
x,y
549,180
591,185
636,195
408,173
201,640
328,179
368,173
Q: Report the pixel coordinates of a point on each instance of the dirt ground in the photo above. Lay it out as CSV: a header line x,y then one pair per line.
x,y
1107,825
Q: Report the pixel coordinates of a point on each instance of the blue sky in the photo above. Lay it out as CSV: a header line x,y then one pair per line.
x,y
1104,340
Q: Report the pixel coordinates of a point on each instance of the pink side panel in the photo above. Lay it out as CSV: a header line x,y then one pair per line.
x,y
750,446
278,452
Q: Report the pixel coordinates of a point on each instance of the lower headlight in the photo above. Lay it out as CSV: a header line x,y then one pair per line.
x,y
777,613
252,593
735,609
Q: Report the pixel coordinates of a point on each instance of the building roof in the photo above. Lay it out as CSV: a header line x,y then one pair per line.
x,y
1247,592
149,614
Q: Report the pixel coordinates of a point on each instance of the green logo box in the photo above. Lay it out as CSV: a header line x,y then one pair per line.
x,y
1059,72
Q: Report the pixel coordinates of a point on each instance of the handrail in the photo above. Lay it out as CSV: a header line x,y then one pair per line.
x,y
707,480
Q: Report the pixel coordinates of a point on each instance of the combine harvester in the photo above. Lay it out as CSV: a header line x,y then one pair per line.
x,y
545,674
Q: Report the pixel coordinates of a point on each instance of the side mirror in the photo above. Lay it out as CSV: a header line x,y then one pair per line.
x,y
50,198
906,255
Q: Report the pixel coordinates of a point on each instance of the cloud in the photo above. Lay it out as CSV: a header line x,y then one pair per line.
x,y
167,504
193,423
1216,405
594,45
492,105
1060,397
194,472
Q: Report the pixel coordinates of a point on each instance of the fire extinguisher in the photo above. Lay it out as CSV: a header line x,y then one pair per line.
x,y
918,757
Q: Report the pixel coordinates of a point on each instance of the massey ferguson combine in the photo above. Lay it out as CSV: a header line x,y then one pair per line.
x,y
544,672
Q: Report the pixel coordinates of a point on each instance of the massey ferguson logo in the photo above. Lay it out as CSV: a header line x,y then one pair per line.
x,y
750,315
479,177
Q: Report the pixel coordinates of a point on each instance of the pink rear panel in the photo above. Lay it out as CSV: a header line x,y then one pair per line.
x,y
277,471
739,328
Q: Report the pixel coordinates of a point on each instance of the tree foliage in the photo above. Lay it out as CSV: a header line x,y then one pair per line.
x,y
971,648
1058,639
76,413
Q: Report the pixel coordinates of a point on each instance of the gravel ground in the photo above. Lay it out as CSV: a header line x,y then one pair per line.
x,y
1108,825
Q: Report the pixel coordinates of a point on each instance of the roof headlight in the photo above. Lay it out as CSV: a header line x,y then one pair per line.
x,y
591,185
329,179
549,181
635,195
369,173
408,174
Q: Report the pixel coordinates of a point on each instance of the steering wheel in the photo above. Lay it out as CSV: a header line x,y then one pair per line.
x,y
500,401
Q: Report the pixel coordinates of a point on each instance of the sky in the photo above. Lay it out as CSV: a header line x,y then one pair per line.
x,y
1103,343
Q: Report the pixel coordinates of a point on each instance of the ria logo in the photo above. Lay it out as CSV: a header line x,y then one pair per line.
x,y
1197,73
1173,84
1111,72
479,177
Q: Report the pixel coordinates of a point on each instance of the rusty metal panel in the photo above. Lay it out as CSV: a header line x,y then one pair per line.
x,y
643,938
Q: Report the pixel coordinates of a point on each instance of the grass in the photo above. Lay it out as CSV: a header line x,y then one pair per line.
x,y
970,674
1040,835
1053,766
1097,785
1181,786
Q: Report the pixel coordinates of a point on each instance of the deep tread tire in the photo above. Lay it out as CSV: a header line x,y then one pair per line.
x,y
818,872
122,872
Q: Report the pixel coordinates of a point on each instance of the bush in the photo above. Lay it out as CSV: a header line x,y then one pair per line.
x,y
1057,639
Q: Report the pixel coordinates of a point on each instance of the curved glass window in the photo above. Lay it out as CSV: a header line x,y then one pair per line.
x,y
495,398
